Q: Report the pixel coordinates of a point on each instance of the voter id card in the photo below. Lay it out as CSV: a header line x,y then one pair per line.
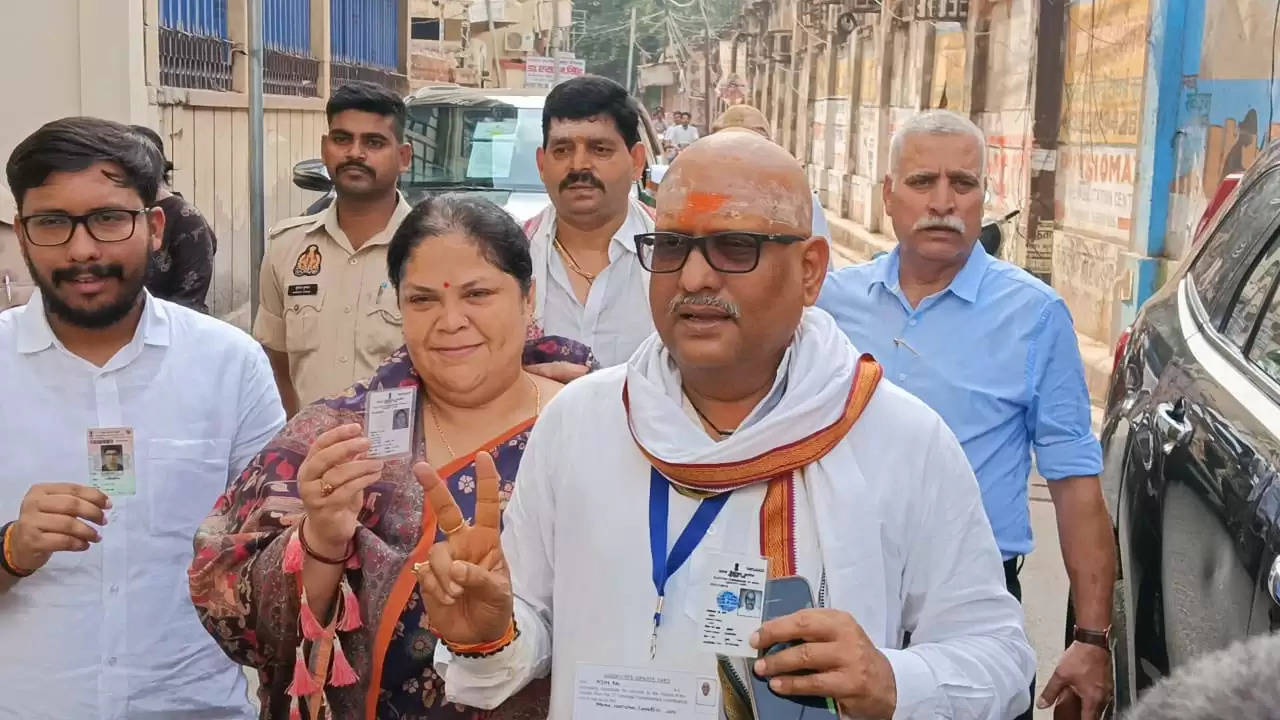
x,y
110,457
731,604
388,422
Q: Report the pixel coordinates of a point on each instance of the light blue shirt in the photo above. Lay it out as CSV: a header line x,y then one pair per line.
x,y
995,355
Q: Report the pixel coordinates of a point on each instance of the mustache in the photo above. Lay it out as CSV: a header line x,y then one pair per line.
x,y
358,166
728,307
581,177
69,274
940,222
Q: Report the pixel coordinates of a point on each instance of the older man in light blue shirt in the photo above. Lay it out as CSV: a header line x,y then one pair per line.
x,y
992,350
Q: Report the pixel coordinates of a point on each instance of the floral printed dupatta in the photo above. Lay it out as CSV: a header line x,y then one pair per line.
x,y
251,606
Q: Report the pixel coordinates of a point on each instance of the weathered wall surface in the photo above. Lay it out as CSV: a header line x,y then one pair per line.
x,y
1097,160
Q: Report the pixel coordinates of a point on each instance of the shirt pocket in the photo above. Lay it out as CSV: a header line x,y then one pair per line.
x,y
380,332
302,324
184,479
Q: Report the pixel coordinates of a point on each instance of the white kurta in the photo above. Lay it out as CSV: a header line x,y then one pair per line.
x,y
109,633
913,552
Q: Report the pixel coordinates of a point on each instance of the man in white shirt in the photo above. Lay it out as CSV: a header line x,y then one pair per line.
x,y
94,606
748,426
588,284
682,134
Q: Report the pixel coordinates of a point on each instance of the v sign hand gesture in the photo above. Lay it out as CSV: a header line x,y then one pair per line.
x,y
465,583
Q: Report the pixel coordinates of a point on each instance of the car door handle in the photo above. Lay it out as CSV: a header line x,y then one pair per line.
x,y
1174,428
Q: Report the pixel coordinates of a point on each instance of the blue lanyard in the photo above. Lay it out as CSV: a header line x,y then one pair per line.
x,y
664,565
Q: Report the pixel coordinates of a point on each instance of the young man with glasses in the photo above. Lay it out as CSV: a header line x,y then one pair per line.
x,y
124,417
749,426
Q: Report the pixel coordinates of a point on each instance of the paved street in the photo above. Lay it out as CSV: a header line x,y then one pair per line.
x,y
1044,587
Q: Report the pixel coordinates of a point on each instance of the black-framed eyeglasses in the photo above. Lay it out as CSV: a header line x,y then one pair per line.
x,y
108,226
726,252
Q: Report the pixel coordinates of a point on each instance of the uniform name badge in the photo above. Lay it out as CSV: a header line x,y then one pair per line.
x,y
388,422
605,692
731,603
110,456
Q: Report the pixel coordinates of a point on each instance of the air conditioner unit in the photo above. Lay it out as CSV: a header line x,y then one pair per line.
x,y
518,42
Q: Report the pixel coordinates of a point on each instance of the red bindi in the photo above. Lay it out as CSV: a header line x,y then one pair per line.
x,y
446,286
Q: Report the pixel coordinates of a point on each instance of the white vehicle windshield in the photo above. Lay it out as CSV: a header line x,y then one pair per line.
x,y
486,146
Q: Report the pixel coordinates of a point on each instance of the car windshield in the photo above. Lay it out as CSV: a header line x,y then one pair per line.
x,y
490,145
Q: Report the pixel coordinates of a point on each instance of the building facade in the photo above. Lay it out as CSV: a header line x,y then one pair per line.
x,y
180,66
1109,122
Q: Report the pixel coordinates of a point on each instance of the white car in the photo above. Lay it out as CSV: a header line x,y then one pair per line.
x,y
476,140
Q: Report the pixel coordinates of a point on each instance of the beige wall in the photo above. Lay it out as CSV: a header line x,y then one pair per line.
x,y
209,146
70,57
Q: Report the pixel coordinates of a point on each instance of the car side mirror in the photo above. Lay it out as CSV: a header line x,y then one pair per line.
x,y
312,175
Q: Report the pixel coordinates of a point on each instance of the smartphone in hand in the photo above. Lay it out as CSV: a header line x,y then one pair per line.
x,y
782,597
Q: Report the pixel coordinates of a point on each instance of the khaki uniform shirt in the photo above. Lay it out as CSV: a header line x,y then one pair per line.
x,y
331,308
15,280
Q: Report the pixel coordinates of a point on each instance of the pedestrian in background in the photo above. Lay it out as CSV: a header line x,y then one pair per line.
x,y
328,316
682,134
992,349
127,415
182,269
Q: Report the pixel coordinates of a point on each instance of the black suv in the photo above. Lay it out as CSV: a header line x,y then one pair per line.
x,y
1191,444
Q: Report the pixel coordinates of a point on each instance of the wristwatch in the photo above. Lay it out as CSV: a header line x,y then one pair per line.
x,y
1100,638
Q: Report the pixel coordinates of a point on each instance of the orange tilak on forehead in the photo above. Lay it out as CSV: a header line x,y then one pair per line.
x,y
698,205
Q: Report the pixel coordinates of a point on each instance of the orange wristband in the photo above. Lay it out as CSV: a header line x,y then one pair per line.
x,y
484,649
9,565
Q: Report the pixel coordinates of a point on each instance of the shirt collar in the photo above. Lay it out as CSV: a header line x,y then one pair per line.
x,y
966,282
329,221
35,334
624,237
964,285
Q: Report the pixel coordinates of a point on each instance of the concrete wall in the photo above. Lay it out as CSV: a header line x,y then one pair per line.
x,y
70,57
1098,159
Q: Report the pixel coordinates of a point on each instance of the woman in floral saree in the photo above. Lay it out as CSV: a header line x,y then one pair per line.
x,y
305,568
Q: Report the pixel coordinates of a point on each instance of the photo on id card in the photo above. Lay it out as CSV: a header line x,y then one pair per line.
x,y
388,422
110,457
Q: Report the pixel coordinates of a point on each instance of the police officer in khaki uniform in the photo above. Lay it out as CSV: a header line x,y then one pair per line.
x,y
328,315
15,280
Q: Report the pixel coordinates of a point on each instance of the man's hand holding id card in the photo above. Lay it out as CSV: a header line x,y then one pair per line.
x,y
111,461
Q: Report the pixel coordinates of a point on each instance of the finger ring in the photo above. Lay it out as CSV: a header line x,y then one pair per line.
x,y
461,525
420,566
326,489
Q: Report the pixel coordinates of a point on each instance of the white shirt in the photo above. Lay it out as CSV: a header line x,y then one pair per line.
x,y
576,538
111,633
616,317
681,135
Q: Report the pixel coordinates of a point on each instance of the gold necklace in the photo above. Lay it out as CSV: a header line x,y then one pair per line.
x,y
573,264
431,408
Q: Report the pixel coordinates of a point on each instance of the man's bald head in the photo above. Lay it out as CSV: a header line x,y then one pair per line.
x,y
734,212
735,180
